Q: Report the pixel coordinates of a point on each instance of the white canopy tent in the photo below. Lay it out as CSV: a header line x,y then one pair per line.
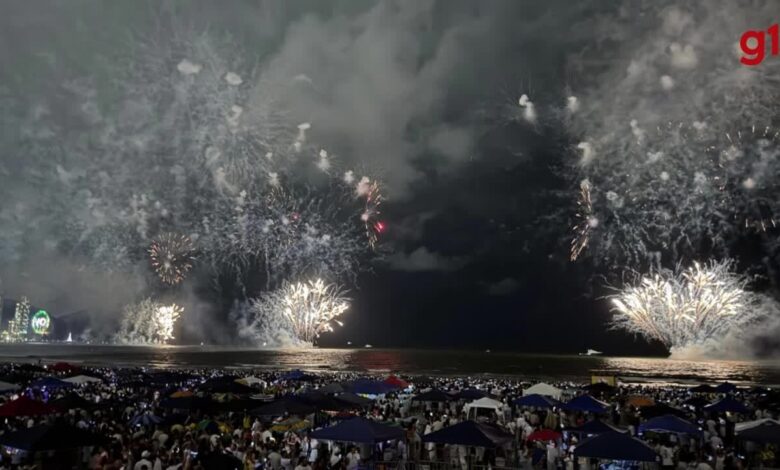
x,y
745,425
544,389
8,387
82,379
484,403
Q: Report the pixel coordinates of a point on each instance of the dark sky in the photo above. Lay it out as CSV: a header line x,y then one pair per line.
x,y
479,200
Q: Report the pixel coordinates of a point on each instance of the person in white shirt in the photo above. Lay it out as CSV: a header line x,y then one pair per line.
x,y
353,459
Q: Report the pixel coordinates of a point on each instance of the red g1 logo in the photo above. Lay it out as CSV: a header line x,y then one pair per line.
x,y
753,45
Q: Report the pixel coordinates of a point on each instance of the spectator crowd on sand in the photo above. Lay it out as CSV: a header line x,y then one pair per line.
x,y
61,416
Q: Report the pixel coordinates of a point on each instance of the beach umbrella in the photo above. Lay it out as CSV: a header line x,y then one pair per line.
x,y
640,401
767,432
615,446
661,409
729,404
536,401
50,383
284,406
48,437
544,435
434,395
595,426
544,389
696,402
27,368
291,424
670,423
251,381
63,367
725,387
369,387
187,403
359,430
8,387
145,419
325,402
82,379
470,433
24,406
73,401
210,426
703,388
586,403
334,387
395,382
470,394
297,374
225,385
181,394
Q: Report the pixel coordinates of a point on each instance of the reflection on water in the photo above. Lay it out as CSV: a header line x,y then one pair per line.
x,y
409,361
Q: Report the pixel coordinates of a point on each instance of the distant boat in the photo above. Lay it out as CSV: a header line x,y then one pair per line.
x,y
591,352
369,346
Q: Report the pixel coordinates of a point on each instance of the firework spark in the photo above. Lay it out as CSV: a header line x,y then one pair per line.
x,y
302,311
171,256
682,308
148,322
586,221
373,201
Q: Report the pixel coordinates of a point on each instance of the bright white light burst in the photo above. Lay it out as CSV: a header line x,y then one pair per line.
x,y
691,306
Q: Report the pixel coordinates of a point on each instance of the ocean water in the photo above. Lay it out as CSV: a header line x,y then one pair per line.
x,y
406,361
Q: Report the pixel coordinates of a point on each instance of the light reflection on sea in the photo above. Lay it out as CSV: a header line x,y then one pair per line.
x,y
409,361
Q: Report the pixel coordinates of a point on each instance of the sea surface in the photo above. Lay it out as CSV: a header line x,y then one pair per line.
x,y
405,361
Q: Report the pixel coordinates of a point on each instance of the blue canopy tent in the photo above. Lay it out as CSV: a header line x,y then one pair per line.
x,y
296,374
670,423
284,406
725,387
615,446
470,433
728,404
767,432
586,403
537,401
470,394
433,396
145,419
50,383
369,387
359,430
594,426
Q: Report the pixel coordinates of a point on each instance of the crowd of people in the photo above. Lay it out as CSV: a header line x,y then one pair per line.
x,y
60,416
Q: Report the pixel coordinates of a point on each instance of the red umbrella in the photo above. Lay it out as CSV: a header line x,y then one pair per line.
x,y
24,406
396,382
544,435
63,367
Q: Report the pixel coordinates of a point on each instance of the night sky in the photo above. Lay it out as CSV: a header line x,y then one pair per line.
x,y
479,201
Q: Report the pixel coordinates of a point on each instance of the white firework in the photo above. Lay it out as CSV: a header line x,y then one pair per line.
x,y
148,322
300,311
687,307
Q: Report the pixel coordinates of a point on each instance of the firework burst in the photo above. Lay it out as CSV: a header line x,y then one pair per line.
x,y
688,307
171,256
300,312
148,322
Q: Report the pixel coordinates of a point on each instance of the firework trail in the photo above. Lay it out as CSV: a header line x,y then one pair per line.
x,y
148,322
689,307
369,216
586,221
750,160
301,311
171,256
